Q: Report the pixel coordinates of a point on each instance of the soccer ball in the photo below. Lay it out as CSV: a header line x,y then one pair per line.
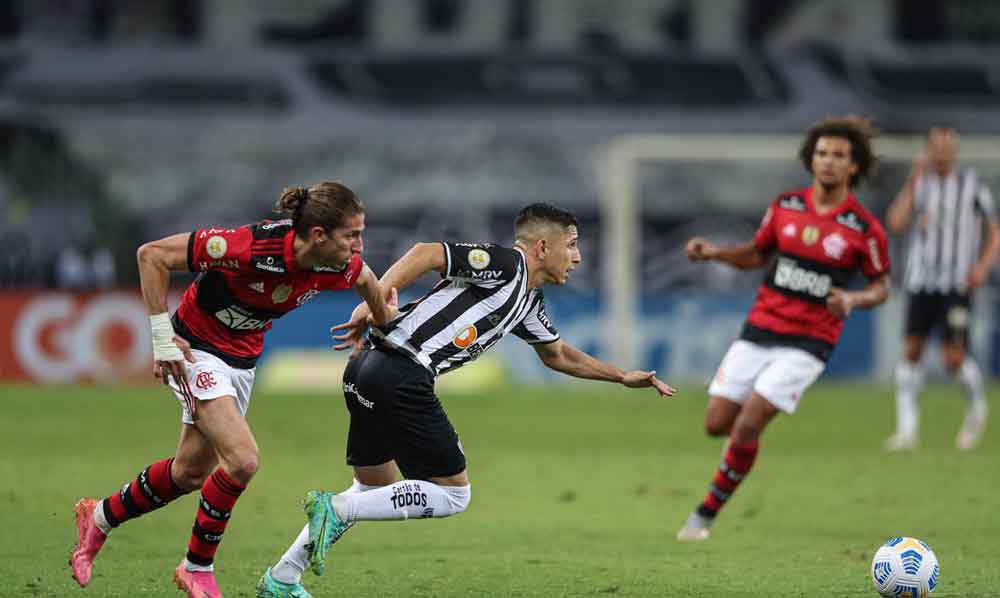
x,y
905,568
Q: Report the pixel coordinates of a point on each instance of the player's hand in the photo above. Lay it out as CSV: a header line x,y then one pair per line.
x,y
164,369
699,249
840,302
977,277
918,168
352,332
640,379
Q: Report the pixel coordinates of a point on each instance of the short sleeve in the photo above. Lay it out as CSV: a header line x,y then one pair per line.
x,y
875,260
536,328
765,238
219,249
483,264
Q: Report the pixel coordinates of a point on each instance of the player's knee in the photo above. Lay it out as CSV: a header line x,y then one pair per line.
x,y
243,467
746,430
953,361
716,426
189,478
458,498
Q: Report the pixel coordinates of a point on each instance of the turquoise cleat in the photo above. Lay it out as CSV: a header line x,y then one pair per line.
x,y
269,587
325,528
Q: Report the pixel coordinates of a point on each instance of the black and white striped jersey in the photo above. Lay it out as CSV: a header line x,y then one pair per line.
x,y
484,296
949,215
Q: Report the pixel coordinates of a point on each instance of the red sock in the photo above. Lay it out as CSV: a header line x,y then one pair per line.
x,y
150,490
218,496
735,466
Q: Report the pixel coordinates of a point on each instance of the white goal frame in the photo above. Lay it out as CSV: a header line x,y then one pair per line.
x,y
620,208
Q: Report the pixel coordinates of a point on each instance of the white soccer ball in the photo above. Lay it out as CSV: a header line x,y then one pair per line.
x,y
905,568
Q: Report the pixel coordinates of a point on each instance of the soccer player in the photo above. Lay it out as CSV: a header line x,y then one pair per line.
x,y
814,239
397,423
953,246
207,352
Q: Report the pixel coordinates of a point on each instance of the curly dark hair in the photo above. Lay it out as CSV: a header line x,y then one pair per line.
x,y
856,129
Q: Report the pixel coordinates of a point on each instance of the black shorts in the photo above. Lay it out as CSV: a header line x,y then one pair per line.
x,y
395,415
948,312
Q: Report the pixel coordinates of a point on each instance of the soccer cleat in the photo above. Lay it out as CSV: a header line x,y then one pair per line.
x,y
901,442
89,540
695,529
197,584
269,587
971,432
325,528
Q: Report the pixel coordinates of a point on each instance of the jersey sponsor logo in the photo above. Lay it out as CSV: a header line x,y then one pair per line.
x,y
479,259
810,235
494,319
205,380
793,277
328,269
268,265
851,221
834,245
236,319
789,230
216,247
486,275
351,389
874,255
276,224
281,293
479,245
793,202
215,231
543,318
257,286
306,296
230,264
466,337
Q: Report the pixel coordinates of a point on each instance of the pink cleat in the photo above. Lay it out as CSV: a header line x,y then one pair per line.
x,y
197,584
89,540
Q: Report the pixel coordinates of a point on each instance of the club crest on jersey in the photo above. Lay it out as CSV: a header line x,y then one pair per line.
x,y
479,259
810,235
281,293
834,245
216,246
466,337
789,230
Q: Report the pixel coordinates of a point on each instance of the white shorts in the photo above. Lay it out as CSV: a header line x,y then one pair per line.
x,y
210,378
779,374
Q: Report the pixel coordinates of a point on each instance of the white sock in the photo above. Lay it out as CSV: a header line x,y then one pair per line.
x,y
909,382
100,520
408,499
971,379
193,567
289,569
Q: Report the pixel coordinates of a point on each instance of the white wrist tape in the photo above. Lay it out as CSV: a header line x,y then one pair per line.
x,y
164,348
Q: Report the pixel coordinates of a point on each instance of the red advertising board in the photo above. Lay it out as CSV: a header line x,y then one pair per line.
x,y
53,337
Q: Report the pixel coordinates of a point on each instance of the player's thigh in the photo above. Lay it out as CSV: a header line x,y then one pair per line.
x,y
223,424
368,449
956,321
210,378
922,311
786,378
740,366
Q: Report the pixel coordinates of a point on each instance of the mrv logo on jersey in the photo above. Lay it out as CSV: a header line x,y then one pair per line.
x,y
793,277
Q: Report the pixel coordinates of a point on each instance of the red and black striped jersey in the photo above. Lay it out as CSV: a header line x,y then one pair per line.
x,y
813,253
248,277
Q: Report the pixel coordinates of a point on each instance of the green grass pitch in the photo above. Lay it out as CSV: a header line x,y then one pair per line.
x,y
577,490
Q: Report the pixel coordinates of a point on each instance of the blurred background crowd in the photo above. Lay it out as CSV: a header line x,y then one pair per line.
x,y
126,121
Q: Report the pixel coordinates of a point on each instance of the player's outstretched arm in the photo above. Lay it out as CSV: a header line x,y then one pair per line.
x,y
567,359
156,260
376,299
745,256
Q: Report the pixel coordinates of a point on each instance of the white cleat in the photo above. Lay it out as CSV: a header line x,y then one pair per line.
x,y
901,442
696,529
971,432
